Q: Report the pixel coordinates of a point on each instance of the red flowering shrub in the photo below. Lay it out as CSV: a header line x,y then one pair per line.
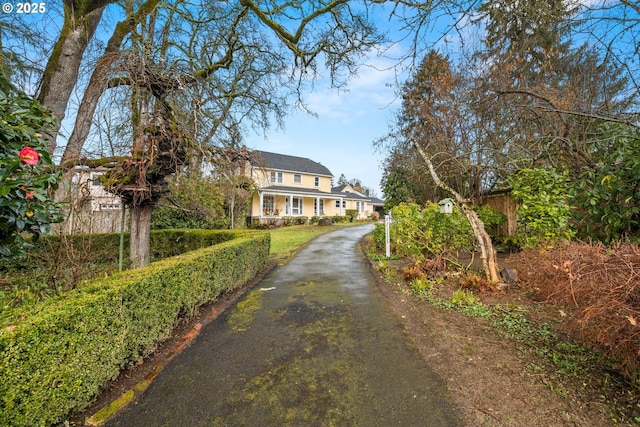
x,y
26,177
29,156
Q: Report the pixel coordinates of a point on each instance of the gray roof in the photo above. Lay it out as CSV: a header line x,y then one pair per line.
x,y
377,202
289,163
339,190
294,190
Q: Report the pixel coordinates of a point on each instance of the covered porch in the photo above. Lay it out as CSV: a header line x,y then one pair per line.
x,y
274,204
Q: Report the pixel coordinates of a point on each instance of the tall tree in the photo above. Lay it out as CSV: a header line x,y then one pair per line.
x,y
405,177
436,119
81,19
166,56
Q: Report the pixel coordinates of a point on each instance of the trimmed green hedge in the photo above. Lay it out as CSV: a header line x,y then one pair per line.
x,y
164,243
58,357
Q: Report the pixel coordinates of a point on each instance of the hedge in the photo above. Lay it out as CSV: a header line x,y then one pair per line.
x,y
57,358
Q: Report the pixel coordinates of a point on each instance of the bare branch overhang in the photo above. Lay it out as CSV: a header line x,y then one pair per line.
x,y
289,39
553,108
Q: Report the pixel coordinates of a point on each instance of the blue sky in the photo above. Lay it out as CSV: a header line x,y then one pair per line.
x,y
340,136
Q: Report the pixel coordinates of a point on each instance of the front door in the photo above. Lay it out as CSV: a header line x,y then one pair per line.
x,y
296,206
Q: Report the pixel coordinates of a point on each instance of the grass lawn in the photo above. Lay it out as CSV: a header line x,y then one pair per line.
x,y
286,241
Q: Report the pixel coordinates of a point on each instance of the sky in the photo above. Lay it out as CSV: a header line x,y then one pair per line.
x,y
341,134
345,125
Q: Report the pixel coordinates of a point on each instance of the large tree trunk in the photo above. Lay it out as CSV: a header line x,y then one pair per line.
x,y
99,81
86,111
487,252
61,72
140,237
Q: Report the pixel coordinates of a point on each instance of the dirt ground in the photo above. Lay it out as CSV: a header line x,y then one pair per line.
x,y
492,379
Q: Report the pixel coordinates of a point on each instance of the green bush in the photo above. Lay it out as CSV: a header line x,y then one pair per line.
x,y
57,264
338,219
288,220
491,218
544,213
379,236
351,214
58,356
606,194
418,231
27,176
194,201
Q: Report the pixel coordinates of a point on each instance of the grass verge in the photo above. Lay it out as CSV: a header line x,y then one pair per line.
x,y
287,241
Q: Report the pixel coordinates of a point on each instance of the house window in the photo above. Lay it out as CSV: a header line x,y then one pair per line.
x,y
315,206
317,181
95,179
268,205
338,204
344,204
360,206
276,177
109,206
296,206
297,178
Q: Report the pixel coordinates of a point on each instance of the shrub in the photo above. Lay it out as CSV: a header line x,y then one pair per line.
x,y
26,179
544,214
288,220
194,202
600,287
491,218
426,232
351,214
606,194
57,357
379,236
57,264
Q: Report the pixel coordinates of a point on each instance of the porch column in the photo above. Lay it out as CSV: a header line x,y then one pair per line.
x,y
290,205
261,204
318,206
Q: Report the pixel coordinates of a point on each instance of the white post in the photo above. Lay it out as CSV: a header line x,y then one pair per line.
x,y
387,236
261,205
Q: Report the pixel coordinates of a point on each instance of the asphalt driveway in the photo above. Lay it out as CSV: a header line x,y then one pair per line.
x,y
313,344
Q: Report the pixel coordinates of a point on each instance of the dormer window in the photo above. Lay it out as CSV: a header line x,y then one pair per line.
x,y
276,177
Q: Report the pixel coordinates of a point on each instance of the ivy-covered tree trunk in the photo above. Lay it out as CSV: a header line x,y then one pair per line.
x,y
140,238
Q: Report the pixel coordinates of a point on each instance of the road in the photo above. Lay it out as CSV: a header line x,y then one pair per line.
x,y
313,344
